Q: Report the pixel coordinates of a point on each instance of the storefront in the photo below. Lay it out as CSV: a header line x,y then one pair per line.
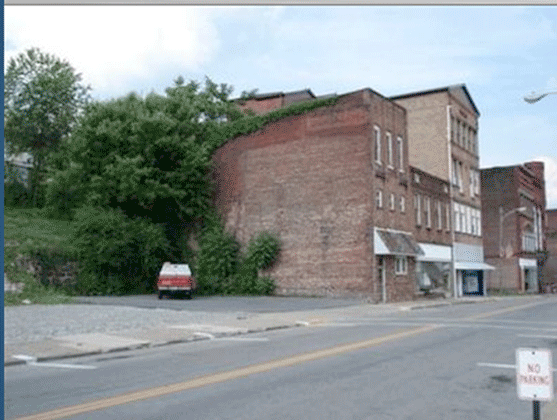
x,y
470,267
529,274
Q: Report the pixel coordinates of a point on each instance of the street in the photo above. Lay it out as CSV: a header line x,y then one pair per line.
x,y
433,363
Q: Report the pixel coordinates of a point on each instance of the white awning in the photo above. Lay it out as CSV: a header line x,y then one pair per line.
x,y
435,253
526,263
473,266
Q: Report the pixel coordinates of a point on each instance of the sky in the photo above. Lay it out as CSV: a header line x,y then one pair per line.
x,y
501,53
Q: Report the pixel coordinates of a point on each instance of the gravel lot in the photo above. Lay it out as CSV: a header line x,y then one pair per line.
x,y
23,324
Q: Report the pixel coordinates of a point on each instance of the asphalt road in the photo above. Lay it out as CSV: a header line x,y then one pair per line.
x,y
256,304
422,364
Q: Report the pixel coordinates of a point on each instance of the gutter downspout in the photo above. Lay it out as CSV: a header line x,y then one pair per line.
x,y
451,210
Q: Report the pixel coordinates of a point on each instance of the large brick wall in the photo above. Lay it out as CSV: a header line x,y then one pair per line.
x,y
310,178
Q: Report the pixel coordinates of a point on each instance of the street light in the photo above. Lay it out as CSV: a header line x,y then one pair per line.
x,y
501,218
535,97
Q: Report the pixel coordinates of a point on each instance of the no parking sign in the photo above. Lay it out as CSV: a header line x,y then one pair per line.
x,y
534,374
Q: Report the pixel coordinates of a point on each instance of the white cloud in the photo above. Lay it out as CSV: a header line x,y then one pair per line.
x,y
114,45
550,171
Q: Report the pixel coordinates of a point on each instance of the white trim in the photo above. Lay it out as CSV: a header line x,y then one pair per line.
x,y
527,263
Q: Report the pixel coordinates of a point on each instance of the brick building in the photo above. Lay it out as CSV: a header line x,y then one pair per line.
x,y
513,207
443,141
548,278
262,103
432,220
334,184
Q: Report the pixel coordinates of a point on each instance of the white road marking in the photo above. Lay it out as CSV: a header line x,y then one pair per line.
x,y
203,334
554,337
303,323
497,365
32,361
242,339
500,365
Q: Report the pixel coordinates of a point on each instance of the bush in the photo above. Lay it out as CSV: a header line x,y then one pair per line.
x,y
64,194
16,195
217,261
263,250
117,255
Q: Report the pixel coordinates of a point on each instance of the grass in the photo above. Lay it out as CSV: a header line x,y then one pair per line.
x,y
26,230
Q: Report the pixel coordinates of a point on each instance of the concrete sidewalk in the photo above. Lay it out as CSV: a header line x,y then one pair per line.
x,y
106,342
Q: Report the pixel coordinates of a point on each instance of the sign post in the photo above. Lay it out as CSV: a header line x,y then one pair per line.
x,y
534,377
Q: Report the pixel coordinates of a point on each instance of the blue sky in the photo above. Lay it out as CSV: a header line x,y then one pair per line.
x,y
501,53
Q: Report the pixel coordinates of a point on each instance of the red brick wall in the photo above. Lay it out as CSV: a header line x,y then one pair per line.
x,y
310,178
262,106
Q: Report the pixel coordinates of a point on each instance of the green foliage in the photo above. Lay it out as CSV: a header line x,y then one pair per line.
x,y
65,193
117,254
16,194
28,233
222,269
51,261
43,97
249,124
263,250
217,260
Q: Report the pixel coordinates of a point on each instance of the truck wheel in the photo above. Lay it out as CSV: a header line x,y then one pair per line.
x,y
160,295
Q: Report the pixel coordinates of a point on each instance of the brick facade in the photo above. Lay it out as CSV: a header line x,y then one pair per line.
x,y
514,249
549,272
313,179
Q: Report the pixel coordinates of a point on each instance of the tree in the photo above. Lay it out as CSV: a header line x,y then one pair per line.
x,y
43,96
147,156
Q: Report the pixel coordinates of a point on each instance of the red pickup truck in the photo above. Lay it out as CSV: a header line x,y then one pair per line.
x,y
176,279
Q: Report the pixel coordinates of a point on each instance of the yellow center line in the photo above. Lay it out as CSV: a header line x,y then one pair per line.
x,y
503,311
220,376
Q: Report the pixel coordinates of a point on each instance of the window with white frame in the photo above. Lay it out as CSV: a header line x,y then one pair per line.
x,y
427,212
472,180
463,227
468,220
390,157
379,199
448,216
377,144
400,154
392,202
417,209
401,264
402,204
439,216
456,217
477,185
453,129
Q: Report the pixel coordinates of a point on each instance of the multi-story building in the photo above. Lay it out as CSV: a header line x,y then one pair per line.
x,y
333,183
432,220
548,278
513,208
443,141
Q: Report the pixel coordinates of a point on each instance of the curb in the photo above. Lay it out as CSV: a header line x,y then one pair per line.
x,y
249,331
145,346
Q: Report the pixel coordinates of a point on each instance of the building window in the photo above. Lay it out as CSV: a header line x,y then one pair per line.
x,y
427,212
390,150
439,216
479,218
448,216
453,129
417,208
472,180
458,131
402,204
401,264
379,199
377,144
456,217
392,202
477,185
400,154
